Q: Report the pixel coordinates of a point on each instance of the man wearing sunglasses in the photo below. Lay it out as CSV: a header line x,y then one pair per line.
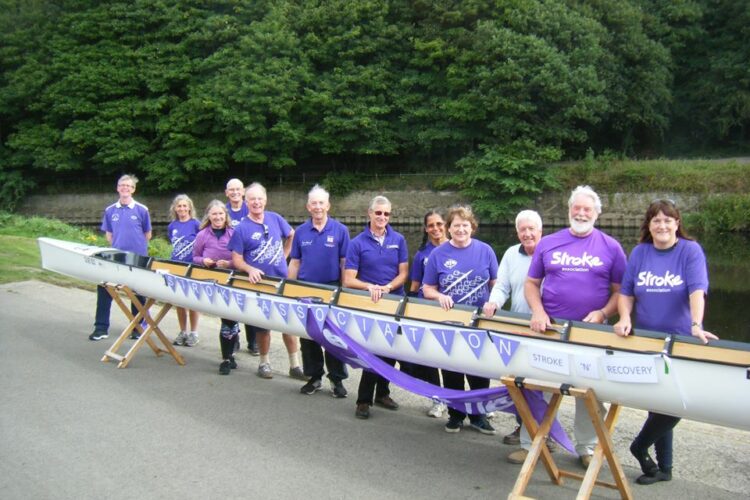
x,y
377,261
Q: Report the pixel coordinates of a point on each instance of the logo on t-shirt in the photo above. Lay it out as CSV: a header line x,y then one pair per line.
x,y
257,236
654,282
305,243
573,263
450,263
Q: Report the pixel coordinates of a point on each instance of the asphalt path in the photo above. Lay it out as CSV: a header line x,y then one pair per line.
x,y
72,426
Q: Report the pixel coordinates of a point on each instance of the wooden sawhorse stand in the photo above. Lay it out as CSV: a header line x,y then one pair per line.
x,y
539,433
135,322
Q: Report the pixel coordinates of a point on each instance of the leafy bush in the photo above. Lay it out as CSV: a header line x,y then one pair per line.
x,y
341,183
727,213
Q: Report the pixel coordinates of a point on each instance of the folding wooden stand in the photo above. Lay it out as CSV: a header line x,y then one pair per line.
x,y
135,322
539,433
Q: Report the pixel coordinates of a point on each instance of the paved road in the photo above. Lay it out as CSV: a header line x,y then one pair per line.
x,y
74,427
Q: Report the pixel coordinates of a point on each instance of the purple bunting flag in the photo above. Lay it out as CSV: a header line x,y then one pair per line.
x,y
225,294
505,347
184,285
444,336
265,306
475,339
389,329
300,310
239,298
341,316
196,288
413,333
365,324
170,281
209,290
319,313
283,309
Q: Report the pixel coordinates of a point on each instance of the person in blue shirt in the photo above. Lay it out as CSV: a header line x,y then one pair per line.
x,y
127,226
318,255
377,261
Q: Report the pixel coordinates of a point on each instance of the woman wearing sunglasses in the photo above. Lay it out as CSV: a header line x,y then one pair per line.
x,y
377,260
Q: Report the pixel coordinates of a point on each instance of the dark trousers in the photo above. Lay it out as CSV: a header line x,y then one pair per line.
x,y
227,339
658,431
250,336
455,380
371,384
313,359
422,372
104,307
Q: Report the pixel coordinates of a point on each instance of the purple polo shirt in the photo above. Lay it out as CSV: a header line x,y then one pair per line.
x,y
128,225
375,263
661,282
320,252
462,273
182,236
418,264
262,245
236,216
577,272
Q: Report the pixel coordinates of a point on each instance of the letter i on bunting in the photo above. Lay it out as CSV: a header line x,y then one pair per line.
x,y
365,325
444,336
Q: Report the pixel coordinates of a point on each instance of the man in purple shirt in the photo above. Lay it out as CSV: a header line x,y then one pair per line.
x,y
318,255
127,226
582,269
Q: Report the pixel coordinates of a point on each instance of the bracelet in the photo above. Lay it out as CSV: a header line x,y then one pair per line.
x,y
695,323
604,314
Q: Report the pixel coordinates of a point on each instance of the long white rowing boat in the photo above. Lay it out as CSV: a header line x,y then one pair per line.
x,y
669,374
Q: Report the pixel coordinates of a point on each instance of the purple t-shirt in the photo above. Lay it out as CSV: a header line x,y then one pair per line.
x,y
262,245
128,225
320,252
577,272
182,236
418,264
376,263
462,273
236,216
661,282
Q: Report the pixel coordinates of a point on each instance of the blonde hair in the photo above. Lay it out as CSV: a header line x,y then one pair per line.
x,y
465,213
178,199
211,204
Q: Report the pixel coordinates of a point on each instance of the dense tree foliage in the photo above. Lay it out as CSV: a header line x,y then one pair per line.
x,y
174,90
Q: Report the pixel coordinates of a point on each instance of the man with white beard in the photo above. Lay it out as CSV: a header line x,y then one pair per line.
x,y
582,269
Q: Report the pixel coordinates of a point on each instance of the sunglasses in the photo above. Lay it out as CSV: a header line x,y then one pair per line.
x,y
380,212
265,231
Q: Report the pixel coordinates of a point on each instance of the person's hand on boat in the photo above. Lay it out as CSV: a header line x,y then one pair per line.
x,y
597,316
539,322
698,331
489,308
208,262
377,291
623,327
223,264
446,301
254,275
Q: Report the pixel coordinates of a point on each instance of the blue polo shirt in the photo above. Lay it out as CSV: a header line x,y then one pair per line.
x,y
236,217
376,263
128,225
262,245
320,252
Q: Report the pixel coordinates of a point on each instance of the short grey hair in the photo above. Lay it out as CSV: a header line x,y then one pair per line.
x,y
318,190
379,200
256,185
586,191
531,216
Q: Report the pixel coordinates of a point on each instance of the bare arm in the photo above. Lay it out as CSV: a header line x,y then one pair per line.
x,y
254,275
293,269
532,289
288,244
697,308
108,235
147,234
624,325
601,315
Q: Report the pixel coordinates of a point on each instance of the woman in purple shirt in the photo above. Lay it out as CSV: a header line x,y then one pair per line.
x,y
181,233
666,280
210,250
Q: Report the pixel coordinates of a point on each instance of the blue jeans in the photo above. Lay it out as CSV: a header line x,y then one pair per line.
x,y
313,358
104,306
657,430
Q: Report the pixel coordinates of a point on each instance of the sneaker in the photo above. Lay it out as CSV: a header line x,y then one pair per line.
x,y
264,371
180,339
437,410
192,339
483,426
134,335
339,391
453,425
655,478
224,368
232,363
490,415
518,456
253,350
514,438
98,335
362,411
585,460
311,387
297,373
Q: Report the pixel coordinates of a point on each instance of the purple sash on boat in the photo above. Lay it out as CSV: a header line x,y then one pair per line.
x,y
337,342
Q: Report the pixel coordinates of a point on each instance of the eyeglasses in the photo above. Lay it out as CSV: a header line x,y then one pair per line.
x,y
380,212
